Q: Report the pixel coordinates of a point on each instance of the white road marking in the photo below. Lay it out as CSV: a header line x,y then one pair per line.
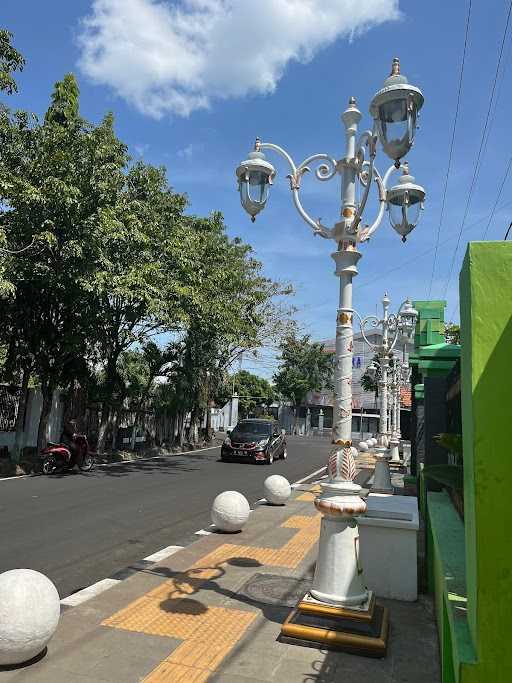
x,y
153,457
162,554
89,592
313,474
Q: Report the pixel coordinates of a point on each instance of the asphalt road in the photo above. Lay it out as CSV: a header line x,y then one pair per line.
x,y
78,528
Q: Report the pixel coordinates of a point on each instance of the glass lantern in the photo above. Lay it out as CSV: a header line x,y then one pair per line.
x,y
405,201
408,317
395,110
255,176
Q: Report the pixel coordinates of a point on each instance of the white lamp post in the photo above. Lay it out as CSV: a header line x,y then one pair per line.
x,y
392,327
394,109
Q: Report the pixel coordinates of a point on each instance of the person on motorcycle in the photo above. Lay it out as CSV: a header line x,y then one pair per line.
x,y
67,438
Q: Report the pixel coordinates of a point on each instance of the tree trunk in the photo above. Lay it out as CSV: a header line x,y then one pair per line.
x,y
46,408
19,440
115,426
134,432
208,423
102,433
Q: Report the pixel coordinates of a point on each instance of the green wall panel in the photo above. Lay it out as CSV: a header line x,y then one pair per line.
x,y
486,365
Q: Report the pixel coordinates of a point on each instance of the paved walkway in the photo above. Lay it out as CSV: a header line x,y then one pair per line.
x,y
213,611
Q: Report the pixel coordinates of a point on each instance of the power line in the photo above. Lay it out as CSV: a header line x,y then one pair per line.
x,y
477,164
448,168
498,197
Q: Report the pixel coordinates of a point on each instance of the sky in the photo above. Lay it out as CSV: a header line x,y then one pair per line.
x,y
192,83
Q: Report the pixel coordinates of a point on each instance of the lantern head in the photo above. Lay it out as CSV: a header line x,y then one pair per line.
x,y
395,110
405,200
255,176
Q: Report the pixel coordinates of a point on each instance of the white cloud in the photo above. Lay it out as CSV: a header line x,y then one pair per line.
x,y
176,57
189,151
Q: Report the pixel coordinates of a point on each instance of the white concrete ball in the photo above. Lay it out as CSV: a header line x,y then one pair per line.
x,y
29,614
372,442
363,446
354,451
277,489
230,511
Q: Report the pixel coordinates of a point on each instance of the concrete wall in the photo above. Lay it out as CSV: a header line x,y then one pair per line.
x,y
32,420
486,373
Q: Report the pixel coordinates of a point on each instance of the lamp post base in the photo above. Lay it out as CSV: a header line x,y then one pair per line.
x,y
394,451
381,475
362,630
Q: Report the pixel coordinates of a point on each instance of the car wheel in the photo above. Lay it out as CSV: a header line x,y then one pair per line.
x,y
284,454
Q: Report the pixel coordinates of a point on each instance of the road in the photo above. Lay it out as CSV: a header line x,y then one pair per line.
x,y
78,528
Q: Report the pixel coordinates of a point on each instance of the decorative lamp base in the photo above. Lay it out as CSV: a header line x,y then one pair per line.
x,y
363,631
381,475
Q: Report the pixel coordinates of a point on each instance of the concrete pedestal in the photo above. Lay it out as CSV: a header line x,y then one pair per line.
x,y
381,475
394,452
388,546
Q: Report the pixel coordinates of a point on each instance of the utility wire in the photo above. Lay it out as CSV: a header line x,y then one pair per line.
x,y
479,155
448,168
498,197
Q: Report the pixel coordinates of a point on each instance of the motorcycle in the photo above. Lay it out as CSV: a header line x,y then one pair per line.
x,y
59,457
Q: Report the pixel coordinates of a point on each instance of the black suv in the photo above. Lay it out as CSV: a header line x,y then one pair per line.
x,y
261,440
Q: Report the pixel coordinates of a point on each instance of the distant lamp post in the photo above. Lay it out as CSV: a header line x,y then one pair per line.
x,y
393,327
338,583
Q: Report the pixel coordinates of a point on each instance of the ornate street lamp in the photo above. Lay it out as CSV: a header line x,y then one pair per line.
x,y
338,583
393,327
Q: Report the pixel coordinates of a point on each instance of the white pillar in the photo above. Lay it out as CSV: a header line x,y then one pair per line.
x,y
338,578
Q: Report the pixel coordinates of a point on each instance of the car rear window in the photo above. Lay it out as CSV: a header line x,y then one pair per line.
x,y
252,428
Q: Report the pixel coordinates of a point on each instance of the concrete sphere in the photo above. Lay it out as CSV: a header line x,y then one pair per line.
x,y
372,442
29,614
277,489
230,511
363,446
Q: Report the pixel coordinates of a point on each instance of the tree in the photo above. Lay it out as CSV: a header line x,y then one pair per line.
x,y
10,61
58,187
369,383
304,366
252,391
452,333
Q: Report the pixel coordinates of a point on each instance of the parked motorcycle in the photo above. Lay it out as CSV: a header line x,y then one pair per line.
x,y
59,457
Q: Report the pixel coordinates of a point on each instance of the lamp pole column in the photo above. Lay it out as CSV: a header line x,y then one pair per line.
x,y
394,443
381,476
338,577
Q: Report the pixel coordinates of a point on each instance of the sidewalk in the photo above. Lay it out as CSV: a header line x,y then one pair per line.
x,y
213,611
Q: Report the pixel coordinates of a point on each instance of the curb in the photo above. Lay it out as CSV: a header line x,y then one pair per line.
x,y
85,594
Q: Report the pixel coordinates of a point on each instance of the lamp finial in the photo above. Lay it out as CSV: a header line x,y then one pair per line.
x,y
395,67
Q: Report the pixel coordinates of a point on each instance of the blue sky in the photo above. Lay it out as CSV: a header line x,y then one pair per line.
x,y
191,83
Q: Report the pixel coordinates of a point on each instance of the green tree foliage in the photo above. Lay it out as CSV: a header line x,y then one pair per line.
x,y
252,390
371,384
452,333
10,61
115,261
304,366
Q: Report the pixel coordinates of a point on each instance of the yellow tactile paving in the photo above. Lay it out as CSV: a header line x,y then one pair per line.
x,y
307,497
168,672
209,633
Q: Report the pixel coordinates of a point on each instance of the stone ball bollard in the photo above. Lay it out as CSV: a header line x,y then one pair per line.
x,y
277,489
363,446
29,615
230,511
372,442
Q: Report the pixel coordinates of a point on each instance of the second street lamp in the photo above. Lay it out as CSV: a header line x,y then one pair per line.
x,y
394,327
338,581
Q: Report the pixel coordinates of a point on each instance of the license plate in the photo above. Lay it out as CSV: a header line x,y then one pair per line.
x,y
239,453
